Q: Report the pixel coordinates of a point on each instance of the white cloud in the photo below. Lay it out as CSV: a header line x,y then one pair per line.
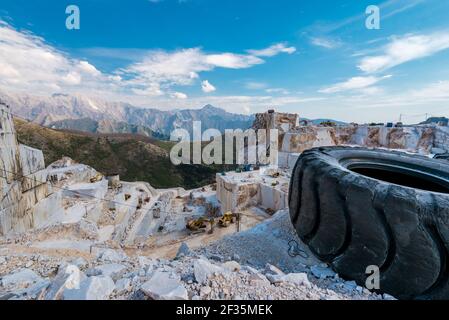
x,y
405,49
88,68
153,90
179,95
232,61
28,63
273,50
354,84
72,78
182,67
325,43
207,87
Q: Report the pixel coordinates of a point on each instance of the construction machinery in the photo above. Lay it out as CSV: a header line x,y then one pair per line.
x,y
200,225
227,219
98,177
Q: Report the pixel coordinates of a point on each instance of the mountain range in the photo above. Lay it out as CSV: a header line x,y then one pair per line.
x,y
133,157
77,112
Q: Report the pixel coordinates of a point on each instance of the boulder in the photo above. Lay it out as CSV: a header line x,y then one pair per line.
x,y
299,279
270,269
202,269
21,278
110,255
92,288
37,289
164,286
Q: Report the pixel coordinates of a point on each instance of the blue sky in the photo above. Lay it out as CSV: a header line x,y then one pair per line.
x,y
315,58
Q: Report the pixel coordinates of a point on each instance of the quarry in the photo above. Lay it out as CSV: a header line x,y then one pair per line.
x,y
69,232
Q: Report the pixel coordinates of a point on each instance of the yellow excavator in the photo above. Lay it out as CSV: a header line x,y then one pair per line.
x,y
227,219
200,225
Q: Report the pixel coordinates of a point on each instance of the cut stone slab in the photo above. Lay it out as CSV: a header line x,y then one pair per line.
x,y
164,286
93,288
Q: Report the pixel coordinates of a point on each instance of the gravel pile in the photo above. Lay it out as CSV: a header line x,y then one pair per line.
x,y
267,262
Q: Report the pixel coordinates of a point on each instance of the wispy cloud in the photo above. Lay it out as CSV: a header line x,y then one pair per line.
x,y
389,9
404,49
354,83
254,85
325,42
273,50
179,95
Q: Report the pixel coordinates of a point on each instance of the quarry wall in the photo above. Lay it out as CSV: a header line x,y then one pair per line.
x,y
415,139
442,138
22,179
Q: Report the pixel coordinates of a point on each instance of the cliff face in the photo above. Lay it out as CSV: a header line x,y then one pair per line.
x,y
22,179
413,139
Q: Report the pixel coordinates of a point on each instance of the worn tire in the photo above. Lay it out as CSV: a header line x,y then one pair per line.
x,y
353,220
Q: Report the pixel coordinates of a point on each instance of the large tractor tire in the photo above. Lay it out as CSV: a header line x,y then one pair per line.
x,y
359,207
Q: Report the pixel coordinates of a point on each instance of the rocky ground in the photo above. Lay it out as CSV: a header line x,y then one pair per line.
x,y
219,271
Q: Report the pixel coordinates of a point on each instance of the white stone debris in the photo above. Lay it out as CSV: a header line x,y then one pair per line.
x,y
164,286
322,272
68,277
91,288
20,279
